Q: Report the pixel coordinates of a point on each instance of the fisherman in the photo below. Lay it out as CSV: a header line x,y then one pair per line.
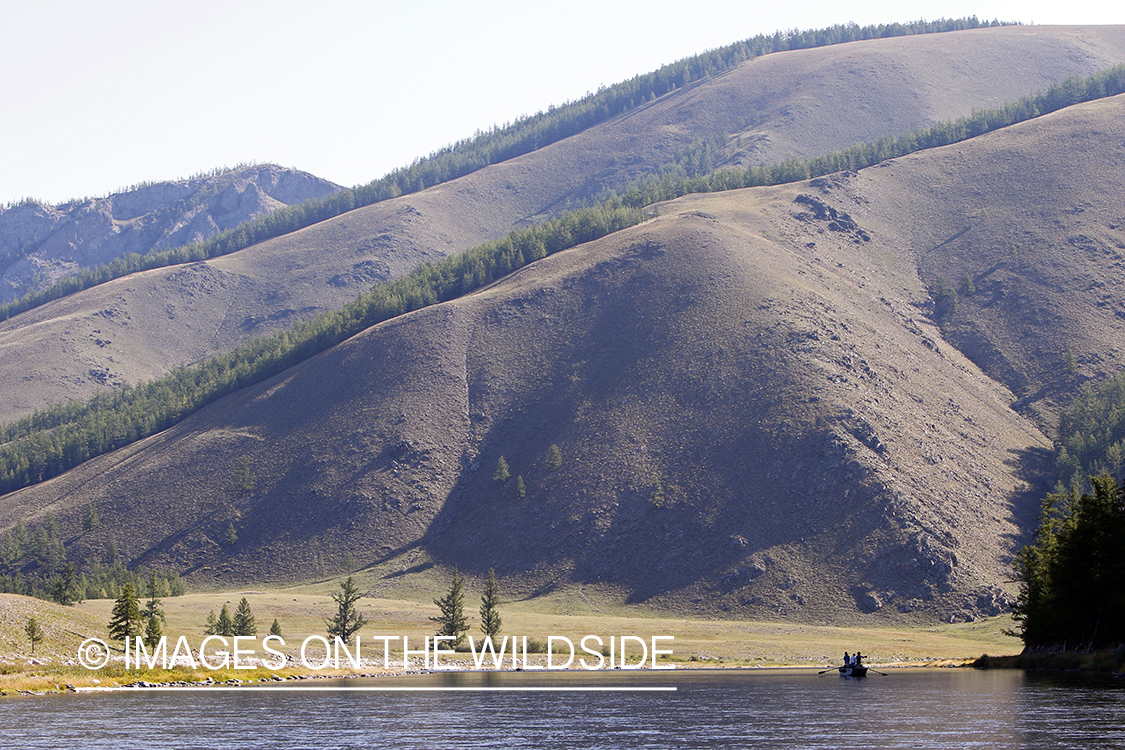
x,y
847,660
856,659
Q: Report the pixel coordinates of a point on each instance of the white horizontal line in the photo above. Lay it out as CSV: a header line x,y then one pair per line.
x,y
391,689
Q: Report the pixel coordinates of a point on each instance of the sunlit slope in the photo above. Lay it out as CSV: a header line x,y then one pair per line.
x,y
1026,226
802,103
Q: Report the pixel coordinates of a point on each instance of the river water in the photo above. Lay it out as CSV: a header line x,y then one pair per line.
x,y
910,708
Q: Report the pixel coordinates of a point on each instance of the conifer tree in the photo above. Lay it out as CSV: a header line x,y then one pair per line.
x,y
126,620
275,629
225,625
34,632
152,631
153,607
554,458
490,606
348,620
502,474
90,517
521,488
212,625
244,619
452,620
64,589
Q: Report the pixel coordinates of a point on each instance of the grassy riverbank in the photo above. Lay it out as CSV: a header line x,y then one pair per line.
x,y
1095,661
301,612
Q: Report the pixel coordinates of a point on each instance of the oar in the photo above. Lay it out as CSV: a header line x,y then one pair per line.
x,y
876,671
830,669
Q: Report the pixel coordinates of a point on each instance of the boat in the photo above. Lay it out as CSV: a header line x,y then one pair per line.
x,y
853,671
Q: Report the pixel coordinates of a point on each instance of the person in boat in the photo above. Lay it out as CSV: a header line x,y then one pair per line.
x,y
847,659
856,659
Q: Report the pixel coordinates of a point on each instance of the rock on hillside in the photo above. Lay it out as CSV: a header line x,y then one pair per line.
x,y
44,243
801,103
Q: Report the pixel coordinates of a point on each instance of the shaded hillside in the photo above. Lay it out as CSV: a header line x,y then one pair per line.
x,y
40,243
795,103
753,408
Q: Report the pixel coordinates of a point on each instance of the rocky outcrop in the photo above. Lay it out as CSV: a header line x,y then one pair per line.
x,y
40,243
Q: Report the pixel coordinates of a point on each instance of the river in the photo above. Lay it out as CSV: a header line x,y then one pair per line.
x,y
908,708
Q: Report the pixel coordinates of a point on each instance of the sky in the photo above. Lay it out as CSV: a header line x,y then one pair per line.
x,y
98,96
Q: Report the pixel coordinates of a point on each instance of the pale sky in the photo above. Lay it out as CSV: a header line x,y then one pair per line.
x,y
101,95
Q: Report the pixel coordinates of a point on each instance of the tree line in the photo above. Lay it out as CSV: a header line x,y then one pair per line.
x,y
485,148
1072,576
33,562
59,437
1092,434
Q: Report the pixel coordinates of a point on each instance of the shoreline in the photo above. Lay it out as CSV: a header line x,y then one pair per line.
x,y
135,682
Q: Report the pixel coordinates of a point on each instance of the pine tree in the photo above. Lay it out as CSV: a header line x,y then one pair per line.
x,y
244,476
521,488
554,458
501,474
153,607
244,619
231,536
152,631
348,620
34,632
225,625
490,606
125,620
90,517
275,629
452,618
212,625
64,589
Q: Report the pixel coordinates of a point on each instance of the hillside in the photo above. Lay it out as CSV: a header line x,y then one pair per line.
x,y
40,243
754,409
799,103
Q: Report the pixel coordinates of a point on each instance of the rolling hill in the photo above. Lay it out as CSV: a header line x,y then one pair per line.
x,y
792,104
765,401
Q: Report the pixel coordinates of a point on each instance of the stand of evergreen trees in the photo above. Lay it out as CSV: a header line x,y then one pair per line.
x,y
1072,577
1092,435
496,145
1072,593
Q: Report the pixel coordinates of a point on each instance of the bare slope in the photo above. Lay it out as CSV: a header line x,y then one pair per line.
x,y
1027,227
799,103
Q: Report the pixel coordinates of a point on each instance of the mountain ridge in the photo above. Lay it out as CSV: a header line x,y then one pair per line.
x,y
44,243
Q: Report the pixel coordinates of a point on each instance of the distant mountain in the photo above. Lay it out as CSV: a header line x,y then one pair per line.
x,y
761,397
40,243
791,104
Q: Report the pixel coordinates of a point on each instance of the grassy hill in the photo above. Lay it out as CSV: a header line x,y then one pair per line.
x,y
800,103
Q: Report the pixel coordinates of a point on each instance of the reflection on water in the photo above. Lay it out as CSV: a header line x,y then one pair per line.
x,y
711,709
